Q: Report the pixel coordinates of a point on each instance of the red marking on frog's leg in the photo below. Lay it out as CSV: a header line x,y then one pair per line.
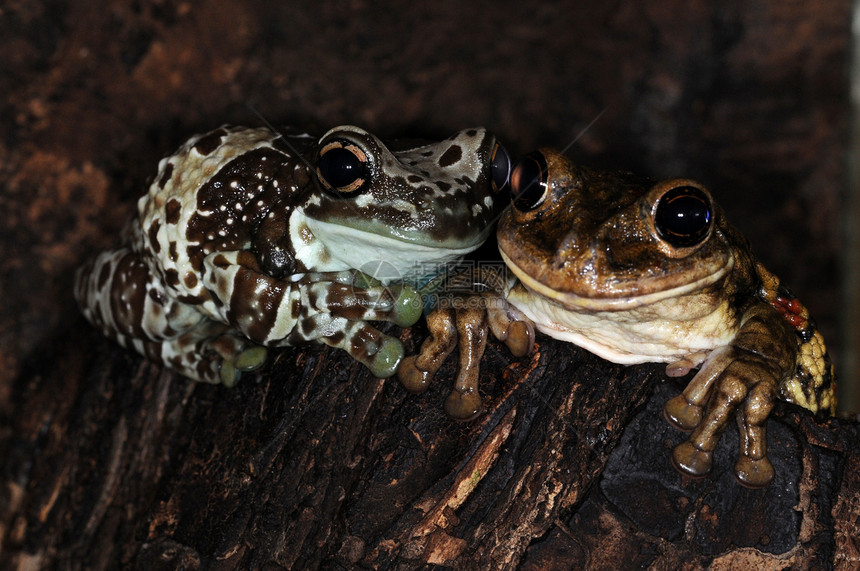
x,y
792,311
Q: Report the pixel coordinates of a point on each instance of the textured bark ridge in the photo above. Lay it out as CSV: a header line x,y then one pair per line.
x,y
114,462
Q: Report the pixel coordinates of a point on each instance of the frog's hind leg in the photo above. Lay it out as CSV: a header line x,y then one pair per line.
x,y
119,294
209,352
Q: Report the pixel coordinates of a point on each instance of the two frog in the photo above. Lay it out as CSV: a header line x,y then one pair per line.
x,y
243,243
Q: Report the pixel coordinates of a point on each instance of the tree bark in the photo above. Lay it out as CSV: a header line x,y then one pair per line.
x,y
113,462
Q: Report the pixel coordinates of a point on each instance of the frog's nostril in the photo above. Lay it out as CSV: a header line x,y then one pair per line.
x,y
500,167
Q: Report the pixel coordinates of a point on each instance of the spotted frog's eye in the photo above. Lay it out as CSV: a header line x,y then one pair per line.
x,y
342,167
500,167
529,182
683,216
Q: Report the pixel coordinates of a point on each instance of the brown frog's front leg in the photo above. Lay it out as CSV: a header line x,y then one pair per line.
x,y
449,327
463,320
744,378
416,371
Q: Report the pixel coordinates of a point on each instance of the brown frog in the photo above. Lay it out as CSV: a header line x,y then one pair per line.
x,y
640,271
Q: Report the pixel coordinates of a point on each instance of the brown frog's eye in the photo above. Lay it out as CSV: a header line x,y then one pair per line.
x,y
683,216
500,167
342,167
529,182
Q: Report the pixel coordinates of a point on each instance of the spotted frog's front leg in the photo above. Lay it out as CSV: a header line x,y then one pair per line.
x,y
331,307
743,378
128,301
462,318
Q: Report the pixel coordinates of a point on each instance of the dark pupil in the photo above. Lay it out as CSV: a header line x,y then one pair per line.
x,y
528,182
501,167
341,167
683,216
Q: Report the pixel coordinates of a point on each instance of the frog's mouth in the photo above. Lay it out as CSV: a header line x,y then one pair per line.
x,y
326,246
576,302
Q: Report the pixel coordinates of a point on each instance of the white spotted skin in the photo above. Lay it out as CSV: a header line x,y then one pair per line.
x,y
220,258
191,170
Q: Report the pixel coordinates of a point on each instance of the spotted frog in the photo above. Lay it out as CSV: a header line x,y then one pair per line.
x,y
249,239
640,271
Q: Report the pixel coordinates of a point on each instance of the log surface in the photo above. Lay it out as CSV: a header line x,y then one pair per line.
x,y
314,463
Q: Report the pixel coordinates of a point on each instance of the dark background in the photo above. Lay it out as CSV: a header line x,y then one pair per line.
x,y
750,97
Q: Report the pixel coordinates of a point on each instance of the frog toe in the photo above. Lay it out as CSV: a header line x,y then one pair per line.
x,y
236,355
385,361
251,358
754,473
464,405
682,414
231,369
692,461
411,377
228,374
408,307
520,338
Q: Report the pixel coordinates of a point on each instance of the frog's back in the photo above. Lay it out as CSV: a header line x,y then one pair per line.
x,y
208,197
